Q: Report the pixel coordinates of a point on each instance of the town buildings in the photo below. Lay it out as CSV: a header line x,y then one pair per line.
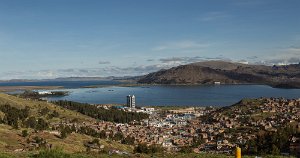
x,y
218,129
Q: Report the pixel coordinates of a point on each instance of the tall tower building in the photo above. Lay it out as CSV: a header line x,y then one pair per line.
x,y
131,101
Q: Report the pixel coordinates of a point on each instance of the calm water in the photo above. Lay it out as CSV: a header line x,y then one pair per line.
x,y
219,95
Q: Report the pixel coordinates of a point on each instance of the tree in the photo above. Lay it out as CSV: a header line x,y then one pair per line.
x,y
155,149
112,115
41,124
128,140
63,134
44,111
95,141
73,128
30,122
11,120
272,142
197,141
53,153
141,148
24,133
102,134
186,149
118,136
54,114
275,150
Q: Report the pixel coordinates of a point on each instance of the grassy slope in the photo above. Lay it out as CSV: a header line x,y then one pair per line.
x,y
10,138
97,155
35,106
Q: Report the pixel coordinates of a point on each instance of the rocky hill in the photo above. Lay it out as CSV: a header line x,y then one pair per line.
x,y
209,72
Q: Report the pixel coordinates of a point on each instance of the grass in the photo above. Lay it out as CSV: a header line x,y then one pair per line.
x,y
10,139
59,153
36,106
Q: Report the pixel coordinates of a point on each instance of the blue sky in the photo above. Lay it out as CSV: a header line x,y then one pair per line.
x,y
63,38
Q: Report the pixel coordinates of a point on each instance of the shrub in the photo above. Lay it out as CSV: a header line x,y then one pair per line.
x,y
53,153
24,133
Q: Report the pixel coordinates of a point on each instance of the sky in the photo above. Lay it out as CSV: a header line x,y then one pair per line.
x,y
42,39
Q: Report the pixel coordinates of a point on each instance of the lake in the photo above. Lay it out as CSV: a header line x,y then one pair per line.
x,y
206,95
212,95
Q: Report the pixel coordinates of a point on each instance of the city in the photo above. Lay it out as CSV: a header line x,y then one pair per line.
x,y
149,79
205,129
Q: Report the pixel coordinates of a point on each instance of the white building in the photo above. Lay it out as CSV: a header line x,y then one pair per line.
x,y
44,92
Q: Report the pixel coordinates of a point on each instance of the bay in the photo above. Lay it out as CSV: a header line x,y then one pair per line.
x,y
209,95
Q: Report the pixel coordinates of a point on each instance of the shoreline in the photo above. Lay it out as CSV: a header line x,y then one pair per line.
x,y
143,85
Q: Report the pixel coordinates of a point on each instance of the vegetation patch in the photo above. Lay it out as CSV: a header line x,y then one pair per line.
x,y
112,114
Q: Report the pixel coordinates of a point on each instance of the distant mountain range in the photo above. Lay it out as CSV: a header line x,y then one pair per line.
x,y
70,79
211,72
208,72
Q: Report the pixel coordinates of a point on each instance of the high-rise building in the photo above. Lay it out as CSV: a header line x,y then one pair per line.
x,y
131,101
128,100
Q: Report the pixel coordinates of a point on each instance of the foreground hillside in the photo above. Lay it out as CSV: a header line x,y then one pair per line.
x,y
31,128
36,108
227,73
28,126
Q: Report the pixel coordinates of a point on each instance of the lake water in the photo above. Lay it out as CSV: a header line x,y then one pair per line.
x,y
214,95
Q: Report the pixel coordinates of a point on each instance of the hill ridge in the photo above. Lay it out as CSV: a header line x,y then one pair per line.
x,y
209,72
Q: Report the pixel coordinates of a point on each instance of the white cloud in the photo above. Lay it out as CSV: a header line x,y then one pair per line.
x,y
213,16
290,55
180,45
187,60
88,72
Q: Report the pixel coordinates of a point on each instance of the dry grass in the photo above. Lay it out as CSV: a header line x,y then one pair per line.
x,y
36,106
10,139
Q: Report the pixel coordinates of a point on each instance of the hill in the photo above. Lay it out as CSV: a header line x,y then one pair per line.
x,y
26,139
209,72
37,106
31,128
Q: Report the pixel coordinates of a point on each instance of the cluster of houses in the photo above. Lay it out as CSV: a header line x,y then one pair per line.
x,y
240,123
218,130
